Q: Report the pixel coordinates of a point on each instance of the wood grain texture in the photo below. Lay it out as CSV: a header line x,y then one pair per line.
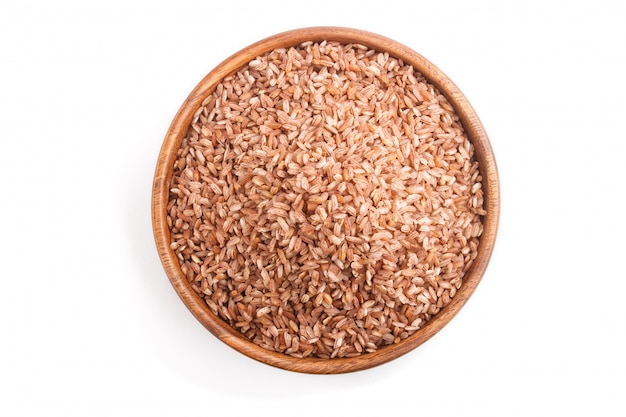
x,y
178,129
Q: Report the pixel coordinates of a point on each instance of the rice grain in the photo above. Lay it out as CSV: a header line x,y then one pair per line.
x,y
325,201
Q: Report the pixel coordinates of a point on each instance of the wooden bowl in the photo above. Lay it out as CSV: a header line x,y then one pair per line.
x,y
179,127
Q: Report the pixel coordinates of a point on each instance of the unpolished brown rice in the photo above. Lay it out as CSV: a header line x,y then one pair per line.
x,y
325,201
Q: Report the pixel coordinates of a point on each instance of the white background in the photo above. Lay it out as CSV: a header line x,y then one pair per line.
x,y
89,323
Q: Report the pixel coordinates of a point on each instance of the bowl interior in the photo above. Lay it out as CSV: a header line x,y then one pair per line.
x,y
178,129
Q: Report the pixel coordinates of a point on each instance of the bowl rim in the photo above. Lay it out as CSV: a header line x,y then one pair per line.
x,y
178,129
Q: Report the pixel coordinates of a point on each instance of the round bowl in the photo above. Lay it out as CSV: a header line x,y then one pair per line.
x,y
179,127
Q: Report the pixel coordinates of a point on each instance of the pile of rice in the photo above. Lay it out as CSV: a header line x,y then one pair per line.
x,y
325,201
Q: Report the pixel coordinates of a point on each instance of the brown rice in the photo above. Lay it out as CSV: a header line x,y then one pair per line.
x,y
325,201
